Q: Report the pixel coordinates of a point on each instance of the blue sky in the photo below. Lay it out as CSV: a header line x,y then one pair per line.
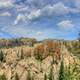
x,y
40,19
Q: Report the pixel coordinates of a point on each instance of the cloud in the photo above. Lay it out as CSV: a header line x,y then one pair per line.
x,y
20,17
17,31
6,3
34,15
66,25
39,33
77,3
22,9
5,14
58,9
23,17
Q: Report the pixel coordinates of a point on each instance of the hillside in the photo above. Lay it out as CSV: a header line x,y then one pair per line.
x,y
29,59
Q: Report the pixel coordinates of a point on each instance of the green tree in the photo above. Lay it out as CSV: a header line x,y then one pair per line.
x,y
62,72
29,75
45,76
16,77
22,54
1,56
79,36
51,74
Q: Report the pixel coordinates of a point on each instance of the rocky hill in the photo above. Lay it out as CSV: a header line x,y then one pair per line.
x,y
29,59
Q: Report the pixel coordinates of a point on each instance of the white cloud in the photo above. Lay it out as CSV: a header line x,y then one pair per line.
x,y
47,11
66,25
34,15
5,14
24,17
6,3
21,9
39,33
17,31
77,3
58,9
20,17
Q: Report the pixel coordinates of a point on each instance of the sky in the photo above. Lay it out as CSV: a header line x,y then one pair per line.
x,y
40,19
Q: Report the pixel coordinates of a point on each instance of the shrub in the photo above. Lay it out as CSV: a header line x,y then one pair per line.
x,y
72,72
3,77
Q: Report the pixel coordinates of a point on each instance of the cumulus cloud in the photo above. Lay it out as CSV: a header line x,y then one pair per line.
x,y
34,15
24,17
20,17
6,3
46,11
66,25
58,9
5,14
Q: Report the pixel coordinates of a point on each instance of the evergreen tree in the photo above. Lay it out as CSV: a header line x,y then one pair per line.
x,y
45,77
79,36
29,75
61,72
51,74
16,77
1,56
22,56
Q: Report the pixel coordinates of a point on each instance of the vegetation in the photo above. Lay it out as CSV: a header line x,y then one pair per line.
x,y
16,77
29,77
45,77
22,55
51,76
1,56
72,72
3,77
42,52
62,72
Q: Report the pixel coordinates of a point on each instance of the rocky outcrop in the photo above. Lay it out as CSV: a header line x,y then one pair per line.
x,y
35,61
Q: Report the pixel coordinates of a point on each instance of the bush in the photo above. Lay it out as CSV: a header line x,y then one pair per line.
x,y
3,77
72,72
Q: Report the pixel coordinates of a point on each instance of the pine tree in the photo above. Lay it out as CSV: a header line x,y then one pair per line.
x,y
29,75
16,77
45,77
61,72
22,56
51,74
1,56
79,36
